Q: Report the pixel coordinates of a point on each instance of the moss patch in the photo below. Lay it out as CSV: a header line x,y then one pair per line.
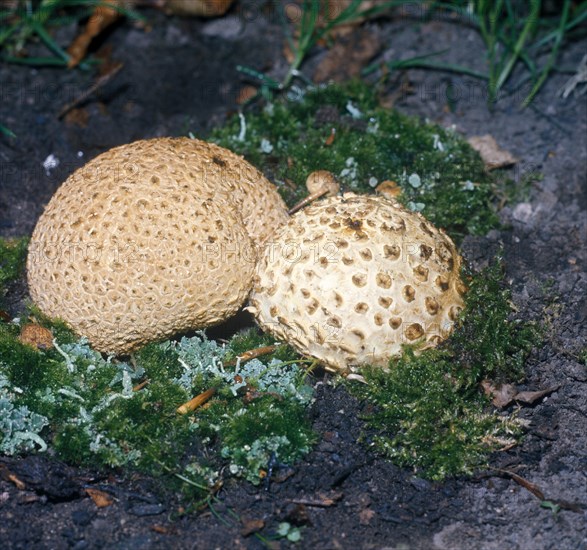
x,y
12,260
98,411
429,411
438,172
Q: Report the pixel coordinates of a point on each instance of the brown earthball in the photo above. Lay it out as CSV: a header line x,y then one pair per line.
x,y
151,239
350,279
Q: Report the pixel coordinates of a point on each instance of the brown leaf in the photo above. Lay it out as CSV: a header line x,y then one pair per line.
x,y
530,397
389,189
505,394
491,153
7,475
36,336
348,57
251,525
100,498
102,17
501,395
245,94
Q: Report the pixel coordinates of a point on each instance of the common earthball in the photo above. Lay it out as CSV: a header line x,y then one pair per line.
x,y
151,239
350,279
322,181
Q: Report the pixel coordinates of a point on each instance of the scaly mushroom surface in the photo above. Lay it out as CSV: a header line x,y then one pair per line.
x,y
350,279
150,239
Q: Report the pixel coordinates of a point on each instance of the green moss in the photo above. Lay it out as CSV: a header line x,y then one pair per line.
x,y
430,412
12,260
438,172
87,408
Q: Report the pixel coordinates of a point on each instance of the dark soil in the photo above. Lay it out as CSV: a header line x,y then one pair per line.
x,y
181,77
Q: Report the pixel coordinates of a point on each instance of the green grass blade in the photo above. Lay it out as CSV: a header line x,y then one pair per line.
x,y
436,66
553,55
529,26
263,78
49,42
574,22
6,131
35,61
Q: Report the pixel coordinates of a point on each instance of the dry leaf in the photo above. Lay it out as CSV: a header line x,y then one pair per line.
x,y
245,94
100,498
36,336
102,17
491,153
389,189
7,475
501,395
251,525
348,57
530,397
505,394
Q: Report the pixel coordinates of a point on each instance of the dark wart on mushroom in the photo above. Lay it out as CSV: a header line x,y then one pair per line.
x,y
351,278
151,239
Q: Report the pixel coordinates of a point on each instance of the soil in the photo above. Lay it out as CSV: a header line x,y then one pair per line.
x,y
179,77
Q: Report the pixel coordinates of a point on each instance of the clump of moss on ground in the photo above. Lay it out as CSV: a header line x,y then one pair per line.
x,y
12,260
99,411
430,412
438,172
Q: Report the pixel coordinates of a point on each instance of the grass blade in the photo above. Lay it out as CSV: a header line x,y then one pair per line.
x,y
49,42
529,26
6,131
553,55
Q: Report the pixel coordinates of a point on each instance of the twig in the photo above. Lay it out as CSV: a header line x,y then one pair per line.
x,y
104,79
307,200
252,354
196,402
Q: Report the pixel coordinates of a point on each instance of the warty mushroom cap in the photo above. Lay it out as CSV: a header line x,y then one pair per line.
x,y
350,279
150,239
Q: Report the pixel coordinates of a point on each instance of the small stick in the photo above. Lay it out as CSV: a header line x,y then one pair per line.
x,y
84,95
196,402
141,385
307,200
253,353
